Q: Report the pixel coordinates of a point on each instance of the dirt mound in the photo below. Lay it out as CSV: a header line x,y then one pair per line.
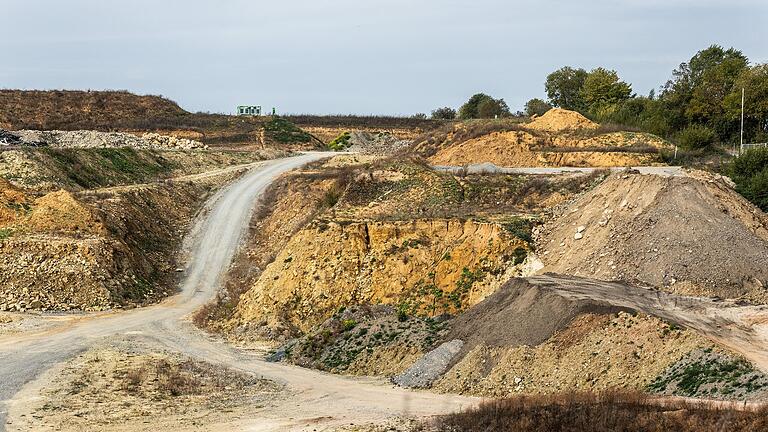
x,y
530,339
559,120
119,386
674,233
558,138
379,143
519,314
106,110
60,211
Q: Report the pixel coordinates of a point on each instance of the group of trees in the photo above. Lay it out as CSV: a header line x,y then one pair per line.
x,y
478,106
700,105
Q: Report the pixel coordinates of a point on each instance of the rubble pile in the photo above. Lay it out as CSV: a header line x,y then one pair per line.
x,y
96,139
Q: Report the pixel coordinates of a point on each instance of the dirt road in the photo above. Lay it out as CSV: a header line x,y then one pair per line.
x,y
320,400
489,168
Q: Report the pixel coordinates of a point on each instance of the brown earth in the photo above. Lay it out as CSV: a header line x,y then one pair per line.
x,y
558,138
123,111
393,231
558,120
98,248
328,265
528,339
673,233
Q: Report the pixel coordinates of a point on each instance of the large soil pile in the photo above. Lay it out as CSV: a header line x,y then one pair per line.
x,y
680,234
558,138
527,339
558,120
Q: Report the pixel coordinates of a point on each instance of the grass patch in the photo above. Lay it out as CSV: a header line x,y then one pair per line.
x,y
283,131
602,412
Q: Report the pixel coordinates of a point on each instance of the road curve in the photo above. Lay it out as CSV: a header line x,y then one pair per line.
x,y
210,248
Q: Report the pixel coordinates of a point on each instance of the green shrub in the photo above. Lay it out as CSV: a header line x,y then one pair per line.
x,y
284,131
750,173
341,142
348,324
5,233
696,137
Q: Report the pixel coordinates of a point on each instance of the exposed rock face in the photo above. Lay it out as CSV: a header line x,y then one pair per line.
x,y
431,266
61,273
61,252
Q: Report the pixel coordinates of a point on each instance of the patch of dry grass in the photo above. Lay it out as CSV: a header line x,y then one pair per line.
x,y
603,412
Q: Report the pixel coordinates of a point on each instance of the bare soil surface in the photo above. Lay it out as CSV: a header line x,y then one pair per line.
x,y
125,383
673,233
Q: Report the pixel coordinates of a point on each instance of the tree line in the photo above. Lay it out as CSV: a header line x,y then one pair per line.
x,y
698,106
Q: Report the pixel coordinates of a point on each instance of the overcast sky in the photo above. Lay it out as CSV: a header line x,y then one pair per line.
x,y
357,56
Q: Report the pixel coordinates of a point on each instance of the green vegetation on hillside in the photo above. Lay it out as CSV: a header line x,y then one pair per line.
x,y
699,106
282,130
102,167
750,173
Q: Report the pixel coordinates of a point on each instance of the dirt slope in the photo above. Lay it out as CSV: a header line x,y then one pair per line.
x,y
558,138
110,111
329,265
680,234
72,109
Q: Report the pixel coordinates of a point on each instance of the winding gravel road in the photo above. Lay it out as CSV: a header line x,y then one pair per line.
x,y
318,398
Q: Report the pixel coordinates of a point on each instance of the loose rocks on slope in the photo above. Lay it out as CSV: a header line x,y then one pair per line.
x,y
681,234
95,139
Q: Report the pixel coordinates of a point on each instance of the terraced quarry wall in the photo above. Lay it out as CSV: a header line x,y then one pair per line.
x,y
329,265
96,228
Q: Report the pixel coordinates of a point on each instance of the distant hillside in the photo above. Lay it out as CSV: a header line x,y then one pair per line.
x,y
74,109
124,111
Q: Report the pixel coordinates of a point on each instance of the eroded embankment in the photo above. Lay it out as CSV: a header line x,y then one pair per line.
x,y
437,265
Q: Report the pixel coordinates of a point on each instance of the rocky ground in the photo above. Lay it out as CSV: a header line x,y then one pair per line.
x,y
131,385
96,139
674,233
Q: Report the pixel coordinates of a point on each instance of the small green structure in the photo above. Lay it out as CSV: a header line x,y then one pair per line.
x,y
250,110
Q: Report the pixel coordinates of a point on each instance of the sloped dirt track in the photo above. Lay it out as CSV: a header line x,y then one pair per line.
x,y
331,399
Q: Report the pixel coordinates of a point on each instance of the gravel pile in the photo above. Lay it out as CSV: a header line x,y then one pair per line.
x,y
95,139
11,139
430,367
381,143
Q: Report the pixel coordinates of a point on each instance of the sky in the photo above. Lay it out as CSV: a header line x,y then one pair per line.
x,y
395,57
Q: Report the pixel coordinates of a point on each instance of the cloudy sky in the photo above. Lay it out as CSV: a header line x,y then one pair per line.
x,y
357,56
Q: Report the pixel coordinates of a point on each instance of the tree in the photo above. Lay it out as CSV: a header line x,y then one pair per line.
x,y
563,88
754,81
420,116
444,113
490,107
699,87
536,107
603,91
